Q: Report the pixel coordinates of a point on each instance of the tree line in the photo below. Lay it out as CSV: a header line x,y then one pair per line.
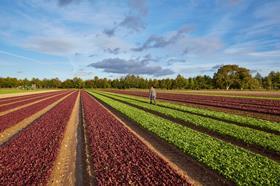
x,y
226,77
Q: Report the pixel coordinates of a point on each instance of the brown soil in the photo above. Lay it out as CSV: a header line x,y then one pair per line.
x,y
63,172
186,164
27,105
24,93
251,147
225,93
17,101
180,172
219,119
84,172
268,117
12,131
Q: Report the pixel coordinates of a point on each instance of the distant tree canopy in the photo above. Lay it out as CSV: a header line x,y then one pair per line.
x,y
227,77
233,76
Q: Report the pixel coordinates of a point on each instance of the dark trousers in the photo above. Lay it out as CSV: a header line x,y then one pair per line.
x,y
152,98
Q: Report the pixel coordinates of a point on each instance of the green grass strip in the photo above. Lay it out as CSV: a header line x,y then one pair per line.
x,y
236,164
248,135
264,124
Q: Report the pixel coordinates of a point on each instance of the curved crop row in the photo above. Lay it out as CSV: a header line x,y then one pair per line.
x,y
236,164
246,121
28,158
243,104
251,136
12,118
118,157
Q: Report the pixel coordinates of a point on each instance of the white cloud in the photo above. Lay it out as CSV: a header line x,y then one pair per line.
x,y
131,66
275,53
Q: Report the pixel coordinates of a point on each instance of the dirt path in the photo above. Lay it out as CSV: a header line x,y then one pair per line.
x,y
25,93
11,131
63,172
208,116
239,111
27,104
154,150
251,147
183,164
268,117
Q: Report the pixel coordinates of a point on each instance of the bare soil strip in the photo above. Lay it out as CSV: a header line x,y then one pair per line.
x,y
63,172
21,100
183,164
233,122
14,95
27,105
268,117
10,132
231,111
84,172
180,172
254,148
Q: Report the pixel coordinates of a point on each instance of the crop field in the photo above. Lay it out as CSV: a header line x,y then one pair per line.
x,y
115,137
260,106
7,92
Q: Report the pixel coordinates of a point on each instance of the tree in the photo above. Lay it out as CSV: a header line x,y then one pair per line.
x,y
191,83
78,82
226,76
245,79
203,82
232,76
274,77
89,84
267,83
68,83
259,78
55,83
180,81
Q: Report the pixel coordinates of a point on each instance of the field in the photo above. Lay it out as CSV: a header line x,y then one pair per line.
x,y
115,137
14,90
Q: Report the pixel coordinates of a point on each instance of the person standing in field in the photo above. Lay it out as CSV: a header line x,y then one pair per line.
x,y
152,95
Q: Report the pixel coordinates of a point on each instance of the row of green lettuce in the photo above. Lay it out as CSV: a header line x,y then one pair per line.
x,y
247,121
236,164
247,135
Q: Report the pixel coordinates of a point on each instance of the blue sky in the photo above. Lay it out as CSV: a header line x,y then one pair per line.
x,y
158,39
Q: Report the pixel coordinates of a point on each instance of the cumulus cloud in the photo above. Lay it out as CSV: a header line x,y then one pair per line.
x,y
160,41
175,60
114,51
133,23
200,46
131,66
210,70
51,45
110,32
130,22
